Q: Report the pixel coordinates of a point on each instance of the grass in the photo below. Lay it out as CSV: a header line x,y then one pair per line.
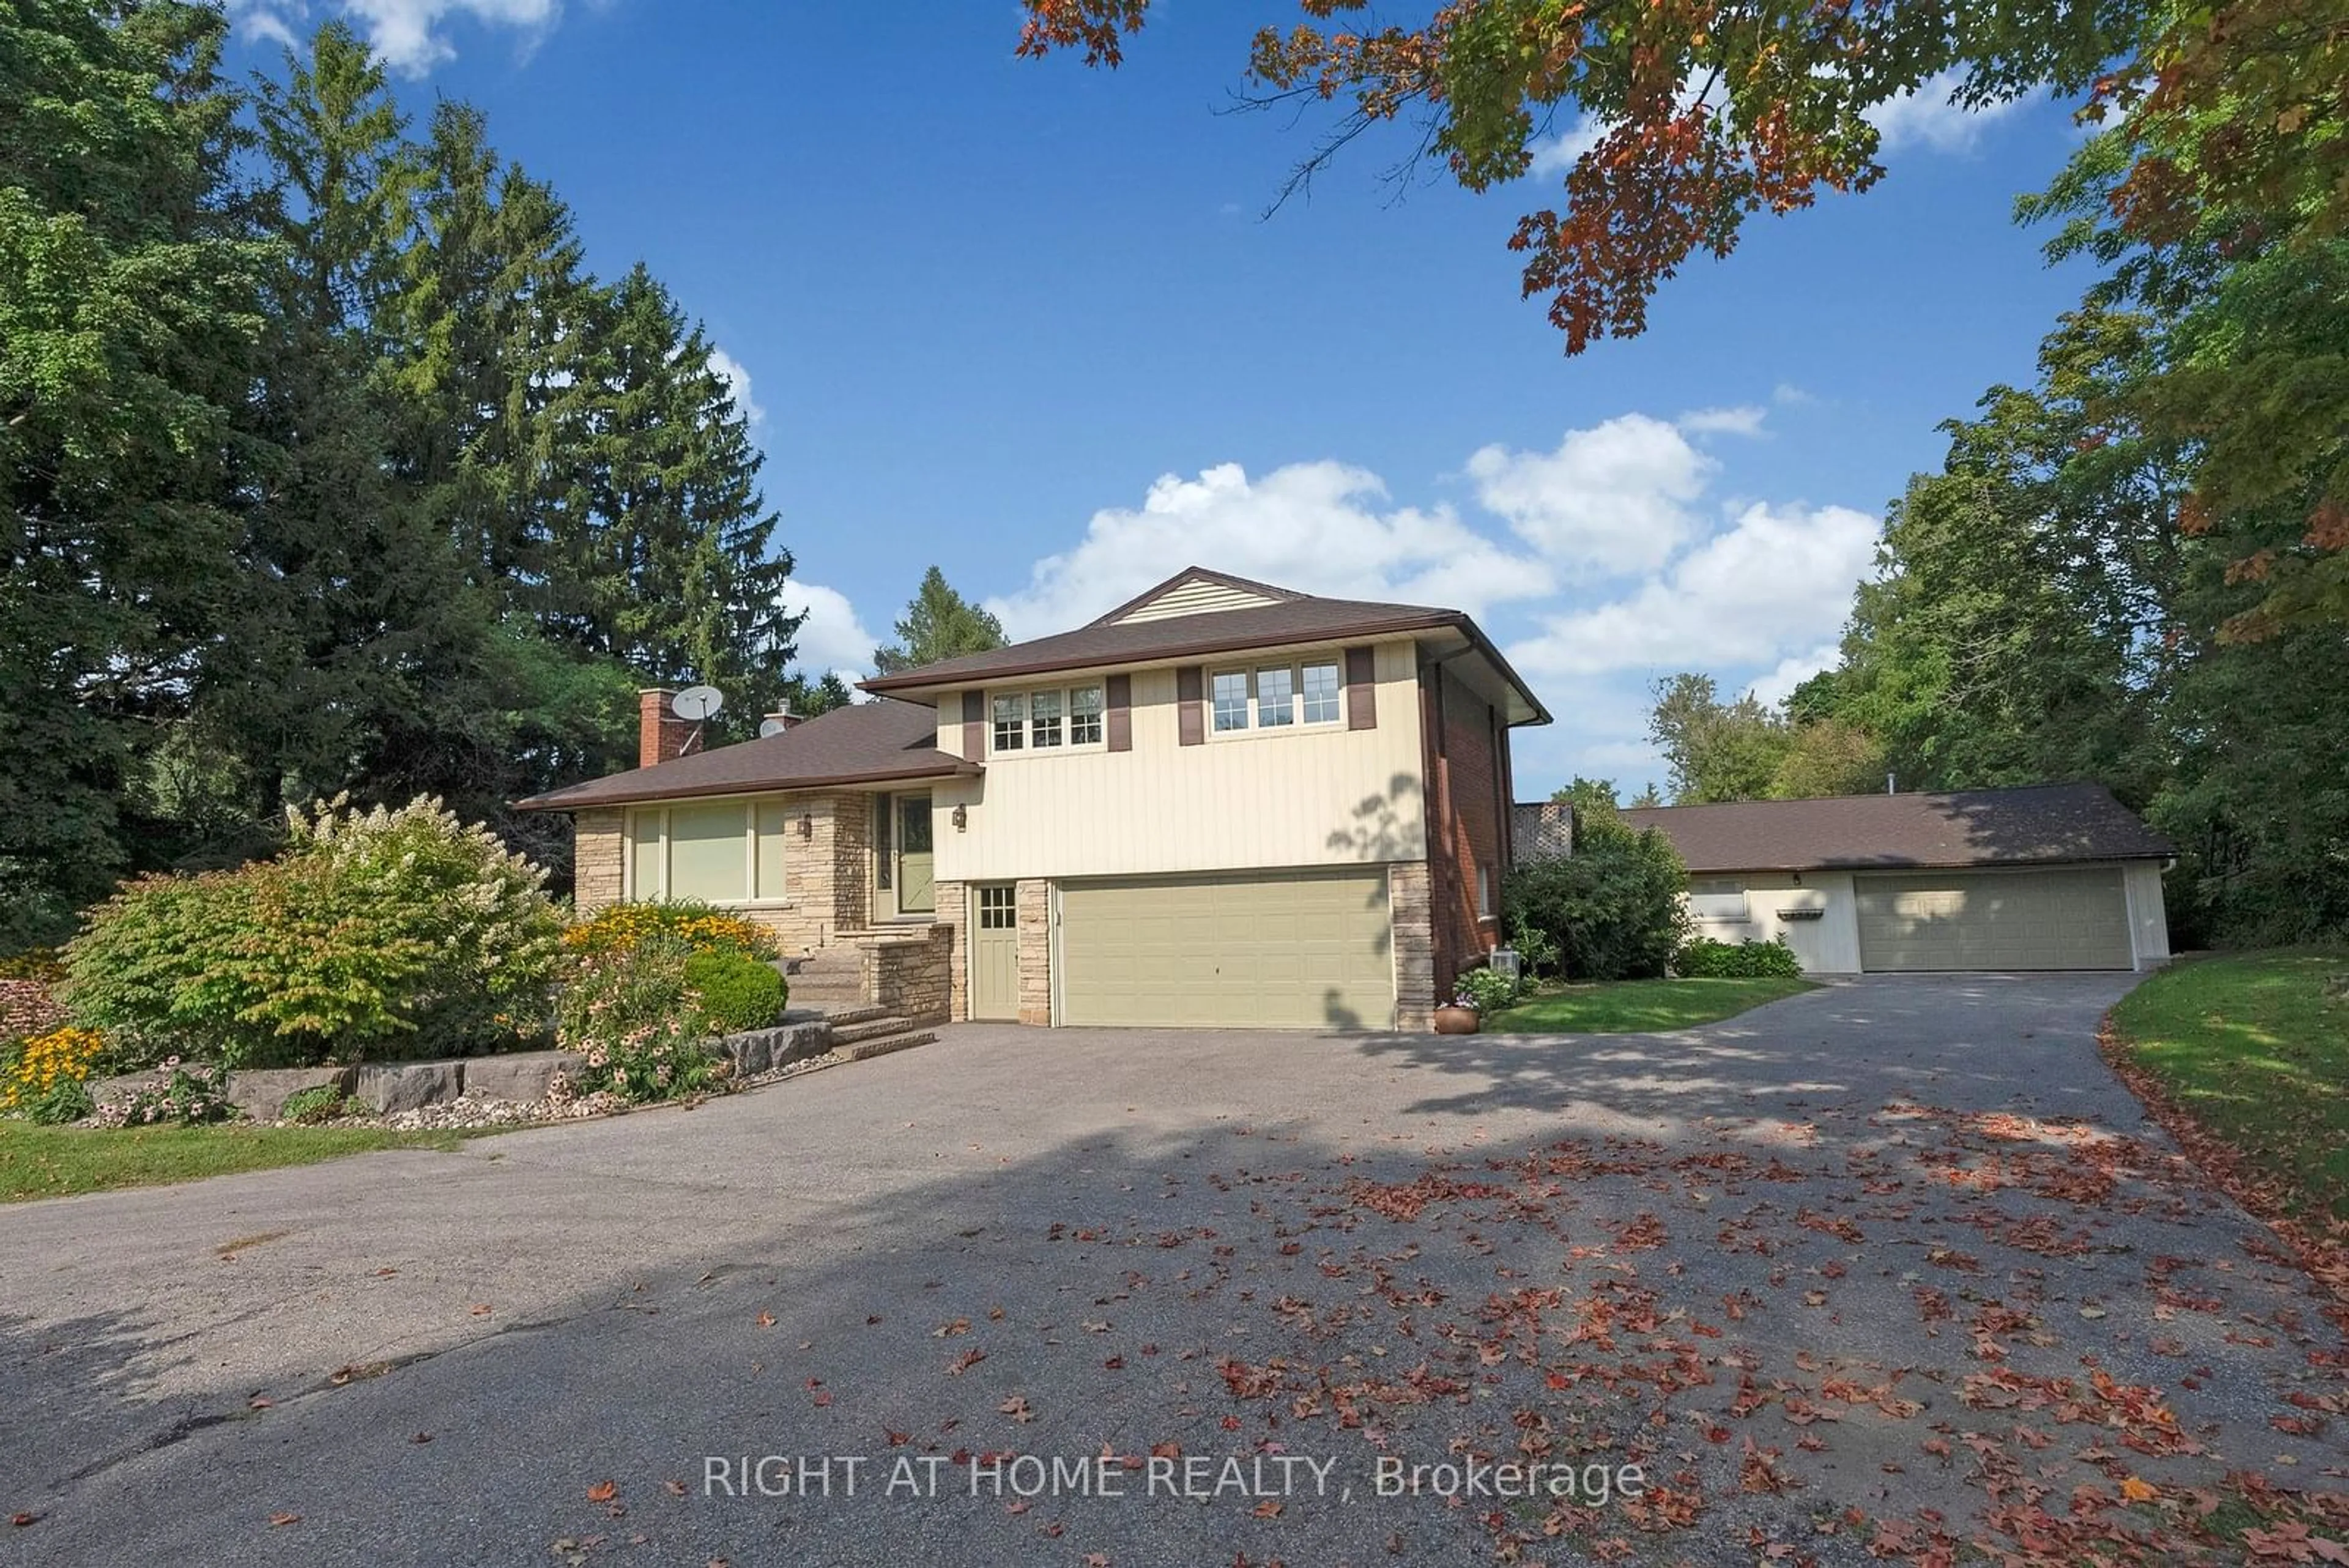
x,y
50,1162
1638,1006
2248,1046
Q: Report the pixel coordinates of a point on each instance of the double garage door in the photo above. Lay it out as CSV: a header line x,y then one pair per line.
x,y
1246,951
1995,920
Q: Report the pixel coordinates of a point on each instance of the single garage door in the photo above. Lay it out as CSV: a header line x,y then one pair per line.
x,y
1993,921
1245,950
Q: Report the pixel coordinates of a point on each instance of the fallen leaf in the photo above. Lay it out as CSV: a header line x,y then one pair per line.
x,y
278,1519
765,1320
603,1491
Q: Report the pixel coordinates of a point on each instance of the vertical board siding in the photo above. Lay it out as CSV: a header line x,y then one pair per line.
x,y
1323,795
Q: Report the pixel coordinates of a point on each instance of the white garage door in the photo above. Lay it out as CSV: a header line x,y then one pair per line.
x,y
1995,920
1250,950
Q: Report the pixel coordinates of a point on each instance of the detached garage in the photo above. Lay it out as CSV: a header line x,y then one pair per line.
x,y
2057,877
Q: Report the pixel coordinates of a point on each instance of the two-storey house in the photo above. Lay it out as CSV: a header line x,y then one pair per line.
x,y
1223,804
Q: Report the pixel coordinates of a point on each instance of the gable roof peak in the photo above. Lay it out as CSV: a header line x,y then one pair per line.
x,y
1236,593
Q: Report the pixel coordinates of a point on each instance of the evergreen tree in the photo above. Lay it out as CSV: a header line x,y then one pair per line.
x,y
128,319
939,623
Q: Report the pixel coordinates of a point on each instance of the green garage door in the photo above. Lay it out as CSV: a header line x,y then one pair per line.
x,y
1993,921
1259,949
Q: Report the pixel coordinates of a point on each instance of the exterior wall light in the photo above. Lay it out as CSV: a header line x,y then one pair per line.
x,y
807,826
961,817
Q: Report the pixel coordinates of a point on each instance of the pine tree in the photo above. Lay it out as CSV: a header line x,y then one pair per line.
x,y
939,623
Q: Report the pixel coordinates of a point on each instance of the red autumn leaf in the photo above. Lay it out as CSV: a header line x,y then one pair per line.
x,y
603,1491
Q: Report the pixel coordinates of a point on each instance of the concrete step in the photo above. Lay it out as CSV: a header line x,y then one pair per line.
x,y
848,1031
862,1050
847,1014
829,999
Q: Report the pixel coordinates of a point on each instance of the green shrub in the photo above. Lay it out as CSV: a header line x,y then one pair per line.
x,y
188,1096
376,935
732,992
1703,958
64,1101
631,1013
1611,910
322,1103
1485,990
1537,949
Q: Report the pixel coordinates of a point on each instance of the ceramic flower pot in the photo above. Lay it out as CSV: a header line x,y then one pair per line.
x,y
1455,1021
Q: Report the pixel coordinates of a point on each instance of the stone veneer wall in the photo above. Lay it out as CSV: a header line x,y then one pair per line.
x,y
598,847
1034,900
1410,910
910,974
953,912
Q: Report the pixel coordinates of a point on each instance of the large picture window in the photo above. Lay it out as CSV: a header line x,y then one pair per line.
x,y
722,852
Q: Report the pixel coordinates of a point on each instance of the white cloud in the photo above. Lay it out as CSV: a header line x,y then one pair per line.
x,y
831,640
1768,582
1557,154
1614,498
1926,117
738,381
1796,668
408,36
1314,527
1745,419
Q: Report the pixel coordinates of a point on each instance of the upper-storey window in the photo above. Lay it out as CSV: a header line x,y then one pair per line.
x,y
1085,716
1045,718
1277,696
1231,695
1321,689
1055,719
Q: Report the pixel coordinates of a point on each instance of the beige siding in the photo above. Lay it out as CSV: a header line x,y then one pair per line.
x,y
2148,919
1312,797
1828,945
1196,597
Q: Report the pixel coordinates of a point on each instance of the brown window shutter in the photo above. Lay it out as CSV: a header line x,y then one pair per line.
x,y
1121,713
1361,689
1190,715
974,726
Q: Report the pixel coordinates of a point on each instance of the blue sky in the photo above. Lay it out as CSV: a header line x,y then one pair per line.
x,y
1027,322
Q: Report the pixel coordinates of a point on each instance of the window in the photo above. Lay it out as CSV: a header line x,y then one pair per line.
x,y
1717,900
1321,689
1057,719
1045,718
1276,697
726,852
1231,695
1484,892
997,913
1085,716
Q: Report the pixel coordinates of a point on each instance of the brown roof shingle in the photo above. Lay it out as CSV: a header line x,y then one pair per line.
x,y
1299,618
2042,823
865,743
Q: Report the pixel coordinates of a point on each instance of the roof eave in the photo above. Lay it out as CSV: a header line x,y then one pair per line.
x,y
555,800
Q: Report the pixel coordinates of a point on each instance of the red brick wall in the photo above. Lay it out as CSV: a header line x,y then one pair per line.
x,y
1468,778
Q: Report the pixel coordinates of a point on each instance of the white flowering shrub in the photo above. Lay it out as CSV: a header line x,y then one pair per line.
x,y
377,934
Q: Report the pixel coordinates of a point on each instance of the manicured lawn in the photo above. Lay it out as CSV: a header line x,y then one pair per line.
x,y
1638,1006
2249,1047
50,1162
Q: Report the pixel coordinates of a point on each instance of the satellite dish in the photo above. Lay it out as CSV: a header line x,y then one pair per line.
x,y
771,727
696,703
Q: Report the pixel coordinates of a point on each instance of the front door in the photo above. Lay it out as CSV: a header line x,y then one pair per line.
x,y
915,891
994,952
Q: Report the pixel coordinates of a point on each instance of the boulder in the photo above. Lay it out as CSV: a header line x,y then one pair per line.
x,y
262,1092
390,1086
520,1074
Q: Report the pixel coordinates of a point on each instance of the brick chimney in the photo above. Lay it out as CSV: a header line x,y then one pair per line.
x,y
661,735
787,719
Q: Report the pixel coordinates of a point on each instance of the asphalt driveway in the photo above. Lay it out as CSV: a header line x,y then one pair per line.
x,y
1880,1268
